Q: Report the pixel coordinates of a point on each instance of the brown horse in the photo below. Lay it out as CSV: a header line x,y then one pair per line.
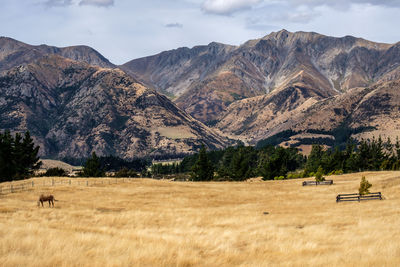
x,y
44,198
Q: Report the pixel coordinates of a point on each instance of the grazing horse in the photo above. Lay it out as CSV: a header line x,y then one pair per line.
x,y
44,198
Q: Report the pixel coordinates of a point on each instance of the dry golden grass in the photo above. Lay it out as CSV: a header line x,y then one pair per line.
x,y
162,223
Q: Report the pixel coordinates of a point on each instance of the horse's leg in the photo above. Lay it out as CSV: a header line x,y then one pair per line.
x,y
52,202
41,201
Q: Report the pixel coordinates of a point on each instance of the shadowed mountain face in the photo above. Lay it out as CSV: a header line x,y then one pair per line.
x,y
72,109
14,53
205,80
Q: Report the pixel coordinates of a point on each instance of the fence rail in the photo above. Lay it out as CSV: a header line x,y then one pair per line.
x,y
326,182
358,197
30,184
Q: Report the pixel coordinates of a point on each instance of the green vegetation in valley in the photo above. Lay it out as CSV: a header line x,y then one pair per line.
x,y
276,163
55,172
92,167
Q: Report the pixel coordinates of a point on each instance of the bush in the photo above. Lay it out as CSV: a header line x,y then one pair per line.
x,y
55,172
294,175
125,172
338,172
364,186
279,177
319,175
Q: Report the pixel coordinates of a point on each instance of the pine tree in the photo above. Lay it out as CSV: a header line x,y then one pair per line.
x,y
319,175
18,157
203,169
29,158
7,162
92,167
364,186
315,158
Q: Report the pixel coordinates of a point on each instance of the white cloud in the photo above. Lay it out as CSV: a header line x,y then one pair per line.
x,y
54,3
226,7
340,4
174,25
104,3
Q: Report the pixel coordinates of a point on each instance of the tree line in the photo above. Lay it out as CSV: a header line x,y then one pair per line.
x,y
242,162
369,154
19,158
274,162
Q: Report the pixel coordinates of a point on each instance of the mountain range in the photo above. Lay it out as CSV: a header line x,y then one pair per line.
x,y
282,81
75,101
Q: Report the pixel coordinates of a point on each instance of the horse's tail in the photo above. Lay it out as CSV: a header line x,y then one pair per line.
x,y
55,199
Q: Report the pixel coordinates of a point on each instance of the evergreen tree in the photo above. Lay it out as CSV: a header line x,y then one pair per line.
x,y
319,175
243,163
203,169
18,157
92,167
7,160
364,186
28,156
349,157
315,158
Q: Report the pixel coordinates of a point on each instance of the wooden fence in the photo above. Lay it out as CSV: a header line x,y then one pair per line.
x,y
358,197
26,185
326,182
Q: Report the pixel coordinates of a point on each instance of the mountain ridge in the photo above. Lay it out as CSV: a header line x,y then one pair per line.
x,y
259,66
73,108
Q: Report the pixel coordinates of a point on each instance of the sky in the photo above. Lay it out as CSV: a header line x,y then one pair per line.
x,y
123,30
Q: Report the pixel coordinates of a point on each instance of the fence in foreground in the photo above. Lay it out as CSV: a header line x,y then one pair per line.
x,y
358,197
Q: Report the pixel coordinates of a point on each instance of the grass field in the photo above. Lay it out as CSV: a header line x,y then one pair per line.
x,y
162,223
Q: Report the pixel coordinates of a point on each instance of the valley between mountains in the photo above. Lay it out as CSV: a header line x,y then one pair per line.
x,y
74,101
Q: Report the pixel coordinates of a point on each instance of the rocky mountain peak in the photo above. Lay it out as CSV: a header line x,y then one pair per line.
x,y
14,53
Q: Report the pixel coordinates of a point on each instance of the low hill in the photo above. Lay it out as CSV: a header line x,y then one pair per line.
x,y
50,163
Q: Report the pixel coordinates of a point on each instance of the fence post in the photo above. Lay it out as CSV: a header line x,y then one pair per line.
x,y
32,184
52,182
69,181
87,183
12,189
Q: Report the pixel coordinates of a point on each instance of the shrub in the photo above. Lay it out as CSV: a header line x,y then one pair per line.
x,y
279,177
338,172
125,172
364,186
319,175
55,172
